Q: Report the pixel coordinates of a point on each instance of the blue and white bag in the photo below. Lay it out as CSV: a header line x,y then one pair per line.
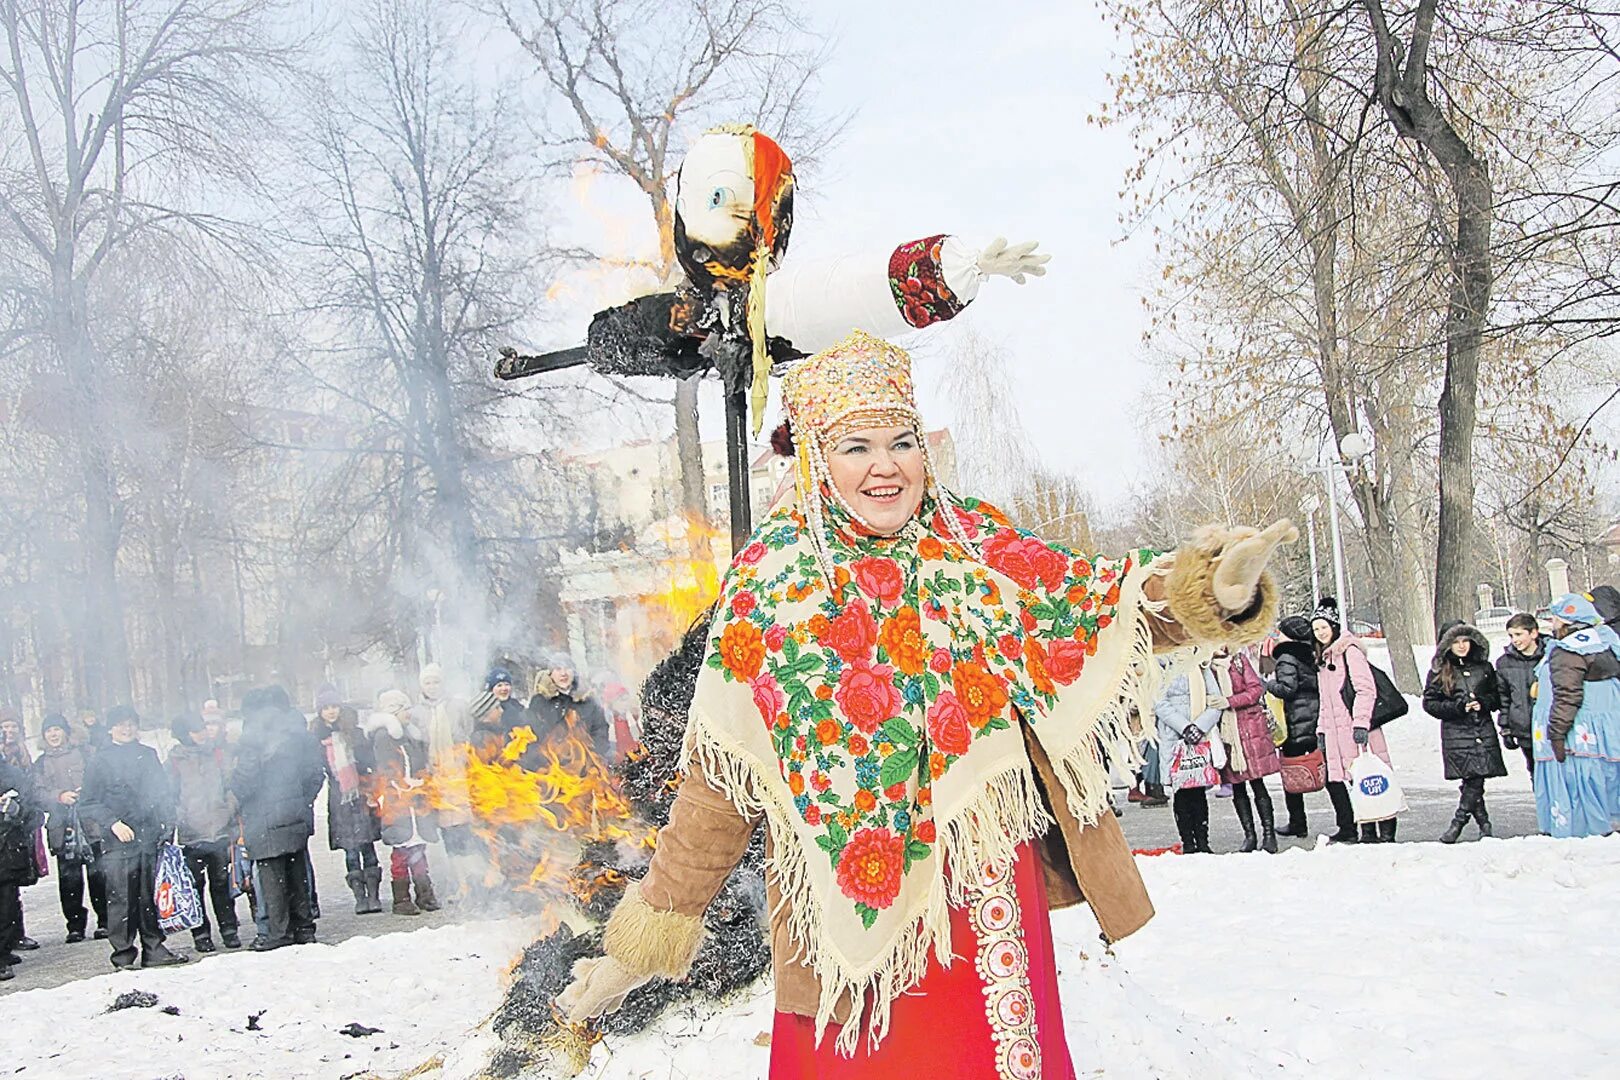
x,y
178,905
1375,794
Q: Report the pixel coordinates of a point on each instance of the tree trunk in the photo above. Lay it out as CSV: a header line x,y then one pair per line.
x,y
689,451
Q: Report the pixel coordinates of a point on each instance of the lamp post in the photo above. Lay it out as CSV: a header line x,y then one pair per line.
x,y
1310,505
1352,448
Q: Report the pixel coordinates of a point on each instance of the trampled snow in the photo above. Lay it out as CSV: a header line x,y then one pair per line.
x,y
1490,958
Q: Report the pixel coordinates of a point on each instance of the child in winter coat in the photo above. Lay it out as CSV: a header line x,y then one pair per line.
x,y
1461,692
1515,675
351,816
59,776
401,760
1293,682
207,823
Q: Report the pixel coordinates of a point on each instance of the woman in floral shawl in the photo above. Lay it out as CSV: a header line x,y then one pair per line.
x,y
918,700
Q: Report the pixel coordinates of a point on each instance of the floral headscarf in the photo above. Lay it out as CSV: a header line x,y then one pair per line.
x,y
875,722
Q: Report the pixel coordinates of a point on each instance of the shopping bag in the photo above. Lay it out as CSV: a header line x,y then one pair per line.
x,y
178,905
77,847
1305,773
241,868
1193,767
1375,794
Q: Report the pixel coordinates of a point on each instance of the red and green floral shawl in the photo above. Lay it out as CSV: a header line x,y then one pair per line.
x,y
876,725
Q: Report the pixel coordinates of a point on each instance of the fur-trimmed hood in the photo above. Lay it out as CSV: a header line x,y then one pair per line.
x,y
1301,651
546,688
1481,651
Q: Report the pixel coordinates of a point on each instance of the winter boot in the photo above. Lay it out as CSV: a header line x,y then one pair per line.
x,y
1481,818
357,885
1369,832
202,941
1245,813
1268,820
1454,831
425,898
372,885
402,897
1155,796
1297,826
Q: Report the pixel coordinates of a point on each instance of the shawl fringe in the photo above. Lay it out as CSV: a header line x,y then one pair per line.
x,y
1007,812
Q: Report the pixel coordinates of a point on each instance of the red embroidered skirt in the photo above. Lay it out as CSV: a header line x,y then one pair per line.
x,y
970,1021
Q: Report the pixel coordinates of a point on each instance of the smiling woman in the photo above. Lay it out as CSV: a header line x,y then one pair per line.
x,y
877,473
912,695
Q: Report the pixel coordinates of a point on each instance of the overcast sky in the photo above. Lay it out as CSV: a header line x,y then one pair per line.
x,y
972,121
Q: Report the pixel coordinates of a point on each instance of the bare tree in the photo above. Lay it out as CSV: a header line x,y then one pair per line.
x,y
632,75
114,110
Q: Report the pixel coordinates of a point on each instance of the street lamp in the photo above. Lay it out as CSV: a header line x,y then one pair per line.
x,y
1310,504
1352,448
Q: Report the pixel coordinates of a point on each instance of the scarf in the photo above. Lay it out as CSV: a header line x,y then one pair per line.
x,y
341,763
876,724
1228,727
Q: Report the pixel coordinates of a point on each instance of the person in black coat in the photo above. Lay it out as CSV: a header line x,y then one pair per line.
x,y
19,818
128,798
1294,683
1461,692
279,772
352,826
561,702
1515,675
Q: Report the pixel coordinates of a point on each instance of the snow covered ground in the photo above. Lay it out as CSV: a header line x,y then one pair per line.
x,y
1400,960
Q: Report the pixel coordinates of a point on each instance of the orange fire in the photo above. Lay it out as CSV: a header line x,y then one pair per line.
x,y
534,803
692,577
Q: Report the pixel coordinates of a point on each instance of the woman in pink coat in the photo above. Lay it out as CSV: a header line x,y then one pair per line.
x,y
1341,730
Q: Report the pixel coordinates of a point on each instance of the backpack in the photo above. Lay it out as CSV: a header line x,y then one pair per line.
x,y
1390,704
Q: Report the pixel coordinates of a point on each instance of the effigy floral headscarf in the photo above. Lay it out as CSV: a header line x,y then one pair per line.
x,y
859,693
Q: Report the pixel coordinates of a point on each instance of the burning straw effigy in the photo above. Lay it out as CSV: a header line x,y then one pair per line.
x,y
616,851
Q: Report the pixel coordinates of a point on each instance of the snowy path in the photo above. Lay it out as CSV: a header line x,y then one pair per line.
x,y
1401,960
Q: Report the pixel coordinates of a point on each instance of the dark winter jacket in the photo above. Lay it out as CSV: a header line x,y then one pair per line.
x,y
1515,675
1467,739
201,780
55,771
351,820
1570,672
513,716
279,772
551,709
126,782
18,826
1294,682
401,755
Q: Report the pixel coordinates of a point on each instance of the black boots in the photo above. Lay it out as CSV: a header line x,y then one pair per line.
x,y
1472,805
1481,818
1343,814
1296,816
357,885
1268,818
1191,808
426,899
1453,831
1245,813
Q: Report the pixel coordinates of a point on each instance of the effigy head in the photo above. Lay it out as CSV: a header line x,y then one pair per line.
x,y
733,207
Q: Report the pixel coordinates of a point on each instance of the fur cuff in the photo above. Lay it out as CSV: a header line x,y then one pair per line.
x,y
651,942
1190,591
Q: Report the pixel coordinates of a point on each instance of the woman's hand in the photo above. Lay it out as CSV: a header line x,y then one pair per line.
x,y
1559,753
68,798
124,833
1243,560
1191,735
600,986
1361,735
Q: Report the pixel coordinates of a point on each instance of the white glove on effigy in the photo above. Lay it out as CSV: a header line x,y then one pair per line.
x,y
1016,262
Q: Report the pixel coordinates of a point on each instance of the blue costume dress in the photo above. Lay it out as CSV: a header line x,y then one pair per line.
x,y
1579,796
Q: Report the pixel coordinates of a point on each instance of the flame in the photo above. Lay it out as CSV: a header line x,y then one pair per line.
x,y
692,576
534,802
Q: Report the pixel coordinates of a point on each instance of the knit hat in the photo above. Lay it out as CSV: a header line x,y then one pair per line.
x,y
496,676
1328,611
327,696
1295,628
430,671
1576,608
482,704
182,726
212,712
122,714
393,701
54,720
